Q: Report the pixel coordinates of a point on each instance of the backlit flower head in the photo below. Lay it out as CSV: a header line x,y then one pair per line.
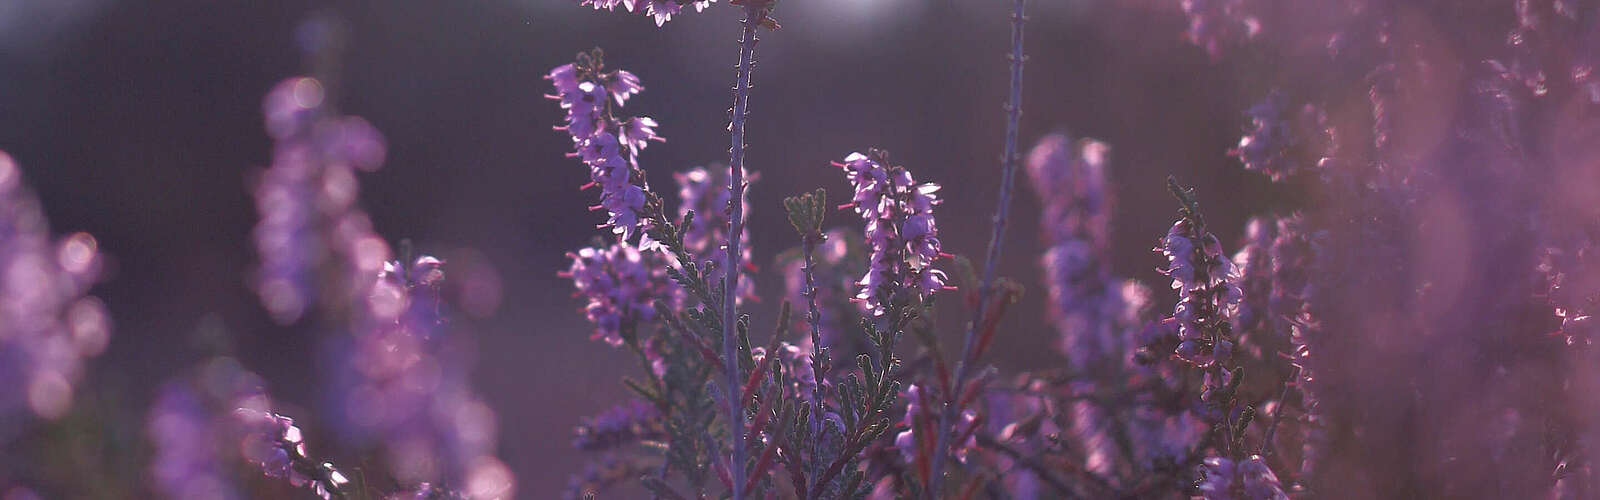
x,y
900,229
606,143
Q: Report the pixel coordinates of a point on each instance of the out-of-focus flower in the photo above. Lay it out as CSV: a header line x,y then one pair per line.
x,y
1249,479
404,384
185,434
307,197
796,366
1276,134
916,443
1085,302
1215,24
706,193
900,230
623,424
192,429
48,323
603,473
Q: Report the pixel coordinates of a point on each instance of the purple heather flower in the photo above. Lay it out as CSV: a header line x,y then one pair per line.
x,y
621,425
609,145
306,198
621,284
608,5
190,429
405,390
48,323
1208,291
185,433
661,10
1274,135
706,193
1249,479
276,445
900,230
1086,302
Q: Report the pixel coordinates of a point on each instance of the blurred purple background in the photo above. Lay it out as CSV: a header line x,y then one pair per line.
x,y
140,122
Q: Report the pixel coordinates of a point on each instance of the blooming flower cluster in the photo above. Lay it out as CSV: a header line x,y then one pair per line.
x,y
622,285
307,198
275,444
609,145
900,230
1208,291
48,323
661,10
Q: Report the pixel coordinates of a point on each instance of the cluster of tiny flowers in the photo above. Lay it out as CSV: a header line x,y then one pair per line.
x,y
622,285
307,198
706,193
273,443
1085,302
607,144
1208,291
190,424
624,424
1275,134
661,10
1248,479
1214,24
407,392
48,323
900,230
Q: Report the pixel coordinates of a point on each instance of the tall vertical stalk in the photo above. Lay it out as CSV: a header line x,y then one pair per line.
x,y
808,249
1008,168
755,12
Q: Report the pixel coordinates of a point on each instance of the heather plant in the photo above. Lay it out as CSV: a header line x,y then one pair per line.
x,y
49,325
1413,316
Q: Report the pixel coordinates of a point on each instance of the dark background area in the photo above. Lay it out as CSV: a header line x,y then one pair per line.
x,y
139,122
